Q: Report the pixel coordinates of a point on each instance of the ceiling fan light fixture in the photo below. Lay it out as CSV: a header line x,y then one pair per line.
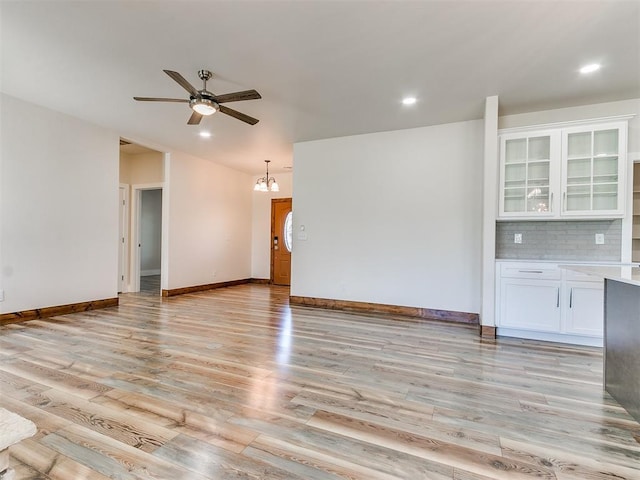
x,y
204,106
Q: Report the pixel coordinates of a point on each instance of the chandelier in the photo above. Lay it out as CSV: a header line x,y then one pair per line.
x,y
266,183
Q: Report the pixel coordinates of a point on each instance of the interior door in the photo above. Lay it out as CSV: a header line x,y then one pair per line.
x,y
281,237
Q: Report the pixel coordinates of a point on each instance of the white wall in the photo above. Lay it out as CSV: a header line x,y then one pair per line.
x,y
261,229
141,168
150,231
209,222
392,218
59,203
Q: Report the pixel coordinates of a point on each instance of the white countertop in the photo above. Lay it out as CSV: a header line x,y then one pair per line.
x,y
564,262
621,273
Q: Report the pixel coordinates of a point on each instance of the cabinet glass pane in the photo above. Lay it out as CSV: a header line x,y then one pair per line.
x,y
516,150
605,142
578,198
579,171
605,169
606,189
538,199
514,175
538,173
514,199
605,202
579,144
539,148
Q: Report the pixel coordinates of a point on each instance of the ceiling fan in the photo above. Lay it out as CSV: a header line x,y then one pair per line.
x,y
203,102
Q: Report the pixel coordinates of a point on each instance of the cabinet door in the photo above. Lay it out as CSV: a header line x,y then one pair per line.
x,y
584,308
530,304
528,169
593,166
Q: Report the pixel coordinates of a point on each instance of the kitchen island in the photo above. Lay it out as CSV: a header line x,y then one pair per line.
x,y
621,332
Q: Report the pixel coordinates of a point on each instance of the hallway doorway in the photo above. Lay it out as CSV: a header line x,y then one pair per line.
x,y
150,240
141,253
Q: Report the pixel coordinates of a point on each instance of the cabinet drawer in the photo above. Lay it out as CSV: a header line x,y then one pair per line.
x,y
534,270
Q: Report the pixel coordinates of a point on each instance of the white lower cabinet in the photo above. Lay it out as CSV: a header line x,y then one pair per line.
x,y
543,302
531,304
584,312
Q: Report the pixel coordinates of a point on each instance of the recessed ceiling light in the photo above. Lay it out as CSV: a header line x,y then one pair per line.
x,y
592,67
205,134
409,100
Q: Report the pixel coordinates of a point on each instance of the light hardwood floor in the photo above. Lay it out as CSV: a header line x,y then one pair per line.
x,y
235,384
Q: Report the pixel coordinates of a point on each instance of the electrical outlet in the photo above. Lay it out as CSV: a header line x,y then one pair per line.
x,y
1,295
214,274
517,238
599,238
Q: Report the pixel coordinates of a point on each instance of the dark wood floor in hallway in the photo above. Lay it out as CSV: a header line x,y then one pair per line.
x,y
235,384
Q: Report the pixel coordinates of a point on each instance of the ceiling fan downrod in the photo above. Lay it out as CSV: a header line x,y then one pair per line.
x,y
204,76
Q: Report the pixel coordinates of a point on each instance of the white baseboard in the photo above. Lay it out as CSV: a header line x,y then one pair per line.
x,y
551,337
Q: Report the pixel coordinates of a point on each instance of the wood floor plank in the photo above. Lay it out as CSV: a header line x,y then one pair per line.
x,y
234,383
112,458
526,431
567,465
313,464
113,423
46,422
399,416
51,463
53,378
345,452
203,458
430,449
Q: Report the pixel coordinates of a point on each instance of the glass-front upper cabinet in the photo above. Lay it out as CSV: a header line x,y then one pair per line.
x,y
570,171
593,170
528,177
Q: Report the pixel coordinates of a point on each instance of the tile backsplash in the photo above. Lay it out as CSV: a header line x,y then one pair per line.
x,y
560,240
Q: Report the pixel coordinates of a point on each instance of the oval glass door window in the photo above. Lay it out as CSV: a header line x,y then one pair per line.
x,y
288,231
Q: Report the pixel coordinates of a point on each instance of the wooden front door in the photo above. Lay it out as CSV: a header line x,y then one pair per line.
x,y
281,241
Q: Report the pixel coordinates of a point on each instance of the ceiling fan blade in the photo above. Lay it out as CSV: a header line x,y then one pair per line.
x,y
194,119
238,96
182,82
238,115
152,99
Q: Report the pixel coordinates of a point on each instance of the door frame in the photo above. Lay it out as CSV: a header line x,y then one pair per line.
x,y
273,231
123,230
136,225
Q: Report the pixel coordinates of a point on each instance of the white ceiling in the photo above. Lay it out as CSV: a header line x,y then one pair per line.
x,y
324,68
